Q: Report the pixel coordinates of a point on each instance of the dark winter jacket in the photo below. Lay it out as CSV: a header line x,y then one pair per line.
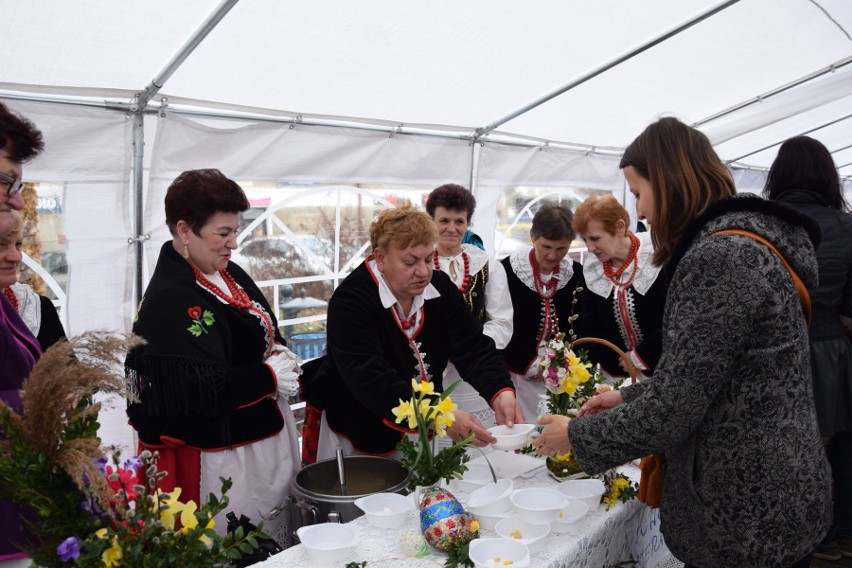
x,y
833,296
746,481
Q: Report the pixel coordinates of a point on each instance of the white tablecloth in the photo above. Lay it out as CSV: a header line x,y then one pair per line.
x,y
605,537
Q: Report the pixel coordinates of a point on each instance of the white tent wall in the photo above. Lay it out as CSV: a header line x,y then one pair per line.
x,y
275,152
502,165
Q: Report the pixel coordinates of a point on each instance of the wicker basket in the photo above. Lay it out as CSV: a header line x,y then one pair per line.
x,y
631,368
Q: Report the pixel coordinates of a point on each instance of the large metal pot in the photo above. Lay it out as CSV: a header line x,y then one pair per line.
x,y
317,490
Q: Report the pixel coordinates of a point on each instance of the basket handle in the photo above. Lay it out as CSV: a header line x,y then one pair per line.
x,y
631,368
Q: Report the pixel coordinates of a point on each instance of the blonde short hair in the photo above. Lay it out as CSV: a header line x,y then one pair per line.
x,y
402,227
17,225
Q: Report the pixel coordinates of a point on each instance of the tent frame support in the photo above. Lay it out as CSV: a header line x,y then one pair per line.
x,y
137,110
480,132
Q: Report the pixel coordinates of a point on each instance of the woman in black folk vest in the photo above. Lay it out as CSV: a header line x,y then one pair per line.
x,y
481,281
541,283
624,292
394,319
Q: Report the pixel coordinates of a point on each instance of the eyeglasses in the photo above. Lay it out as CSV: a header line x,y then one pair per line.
x,y
13,185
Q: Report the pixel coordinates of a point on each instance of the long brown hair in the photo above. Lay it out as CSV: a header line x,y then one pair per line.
x,y
686,176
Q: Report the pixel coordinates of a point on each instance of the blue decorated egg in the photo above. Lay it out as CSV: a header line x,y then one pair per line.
x,y
443,521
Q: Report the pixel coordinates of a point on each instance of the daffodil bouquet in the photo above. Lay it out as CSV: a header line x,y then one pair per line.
x,y
570,381
568,377
430,413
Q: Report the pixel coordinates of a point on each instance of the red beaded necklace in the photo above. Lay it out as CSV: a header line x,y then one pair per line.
x,y
466,280
11,296
614,275
540,286
238,297
549,321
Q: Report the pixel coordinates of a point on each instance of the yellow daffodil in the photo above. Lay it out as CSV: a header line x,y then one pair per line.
x,y
447,406
112,555
188,521
426,409
579,370
172,508
404,411
563,457
474,526
442,422
423,387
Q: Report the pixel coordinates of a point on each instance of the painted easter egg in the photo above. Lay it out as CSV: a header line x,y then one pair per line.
x,y
443,521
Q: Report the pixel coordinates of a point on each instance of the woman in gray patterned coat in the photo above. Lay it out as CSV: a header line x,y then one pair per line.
x,y
746,480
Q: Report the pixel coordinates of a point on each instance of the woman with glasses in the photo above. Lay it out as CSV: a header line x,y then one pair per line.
x,y
214,378
20,141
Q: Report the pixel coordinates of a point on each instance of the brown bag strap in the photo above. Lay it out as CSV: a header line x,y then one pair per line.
x,y
801,289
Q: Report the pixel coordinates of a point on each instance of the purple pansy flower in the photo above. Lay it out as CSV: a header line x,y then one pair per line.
x,y
69,549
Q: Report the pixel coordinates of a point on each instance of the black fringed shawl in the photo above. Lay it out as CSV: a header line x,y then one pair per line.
x,y
200,377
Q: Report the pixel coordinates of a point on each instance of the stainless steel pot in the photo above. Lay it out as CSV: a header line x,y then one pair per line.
x,y
317,488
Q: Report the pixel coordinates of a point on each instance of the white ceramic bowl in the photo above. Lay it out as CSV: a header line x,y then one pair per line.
x,y
569,518
489,522
385,510
530,534
492,498
587,490
490,552
513,438
477,475
538,505
328,543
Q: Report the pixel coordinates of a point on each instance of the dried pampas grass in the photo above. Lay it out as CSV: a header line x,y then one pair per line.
x,y
57,400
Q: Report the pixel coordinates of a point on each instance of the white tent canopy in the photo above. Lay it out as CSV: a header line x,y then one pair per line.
x,y
486,93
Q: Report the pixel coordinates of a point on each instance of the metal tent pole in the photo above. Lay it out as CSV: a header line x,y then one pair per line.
x,y
138,108
597,71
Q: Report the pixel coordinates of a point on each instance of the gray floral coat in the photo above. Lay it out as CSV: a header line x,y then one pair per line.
x,y
746,482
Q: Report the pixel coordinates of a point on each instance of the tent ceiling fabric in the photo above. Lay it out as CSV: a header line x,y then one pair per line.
x,y
462,64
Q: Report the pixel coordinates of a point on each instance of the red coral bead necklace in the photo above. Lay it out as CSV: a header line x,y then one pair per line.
x,y
615,274
11,296
540,287
466,259
238,297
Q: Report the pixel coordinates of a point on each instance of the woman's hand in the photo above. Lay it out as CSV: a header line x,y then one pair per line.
x,y
554,440
603,401
507,410
466,424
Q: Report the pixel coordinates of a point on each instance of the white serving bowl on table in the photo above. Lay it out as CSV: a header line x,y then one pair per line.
x,y
588,490
538,505
568,519
489,552
328,543
489,522
513,438
492,498
477,475
530,534
385,510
